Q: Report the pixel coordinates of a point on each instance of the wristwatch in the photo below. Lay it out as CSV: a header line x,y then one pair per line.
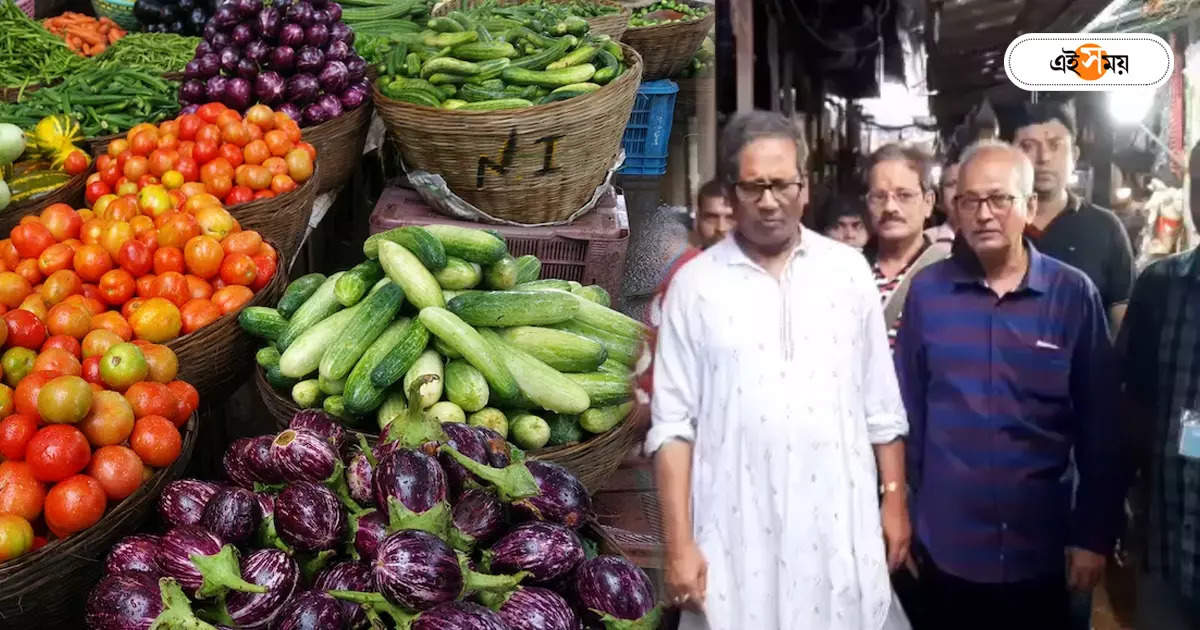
x,y
891,486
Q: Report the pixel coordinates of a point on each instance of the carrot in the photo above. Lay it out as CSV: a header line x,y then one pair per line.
x,y
114,35
86,35
99,48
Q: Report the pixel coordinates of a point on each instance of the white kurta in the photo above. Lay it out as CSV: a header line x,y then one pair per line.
x,y
782,386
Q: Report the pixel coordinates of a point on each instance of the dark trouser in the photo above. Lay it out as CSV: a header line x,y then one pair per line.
x,y
956,604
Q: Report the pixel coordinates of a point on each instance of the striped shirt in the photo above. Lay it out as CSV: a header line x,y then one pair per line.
x,y
887,286
1000,393
1161,347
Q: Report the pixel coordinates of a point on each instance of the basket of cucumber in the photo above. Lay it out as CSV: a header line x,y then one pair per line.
x,y
667,34
216,357
340,143
283,220
513,159
603,17
441,321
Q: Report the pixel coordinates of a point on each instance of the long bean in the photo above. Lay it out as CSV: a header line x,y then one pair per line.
x,y
154,52
103,100
29,53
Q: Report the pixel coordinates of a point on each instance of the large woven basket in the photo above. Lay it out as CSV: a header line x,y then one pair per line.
x,y
283,219
532,165
217,358
70,193
667,49
339,144
48,588
593,461
611,25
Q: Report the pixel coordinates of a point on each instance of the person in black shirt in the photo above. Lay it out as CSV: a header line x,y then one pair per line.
x,y
1066,227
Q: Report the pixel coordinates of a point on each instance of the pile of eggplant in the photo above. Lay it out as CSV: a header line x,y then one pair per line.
x,y
182,17
438,526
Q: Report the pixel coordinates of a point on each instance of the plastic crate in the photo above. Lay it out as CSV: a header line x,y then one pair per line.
x,y
648,134
589,251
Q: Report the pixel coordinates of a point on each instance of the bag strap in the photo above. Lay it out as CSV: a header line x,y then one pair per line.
x,y
895,302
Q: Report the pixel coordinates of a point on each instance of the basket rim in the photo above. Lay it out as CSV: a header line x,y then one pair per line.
x,y
34,559
501,114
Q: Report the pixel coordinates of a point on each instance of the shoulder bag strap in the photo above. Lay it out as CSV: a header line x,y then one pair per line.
x,y
895,303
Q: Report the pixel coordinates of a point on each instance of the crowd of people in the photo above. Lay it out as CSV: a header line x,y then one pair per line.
x,y
902,425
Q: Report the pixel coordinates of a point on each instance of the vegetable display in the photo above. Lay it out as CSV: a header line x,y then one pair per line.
x,y
296,57
666,12
85,34
155,52
373,561
491,58
29,54
104,100
182,17
541,362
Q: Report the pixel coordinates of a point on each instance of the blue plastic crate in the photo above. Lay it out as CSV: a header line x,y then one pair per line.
x,y
648,134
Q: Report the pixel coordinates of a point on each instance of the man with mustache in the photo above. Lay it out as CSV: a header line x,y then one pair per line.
x,y
1010,384
1079,233
900,198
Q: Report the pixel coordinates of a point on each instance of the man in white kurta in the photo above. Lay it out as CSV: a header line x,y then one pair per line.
x,y
782,386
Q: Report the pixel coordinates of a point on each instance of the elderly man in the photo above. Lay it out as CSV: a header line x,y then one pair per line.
x,y
900,198
776,415
1009,380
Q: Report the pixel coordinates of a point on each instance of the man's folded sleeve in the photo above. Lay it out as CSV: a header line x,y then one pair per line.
x,y
882,405
675,401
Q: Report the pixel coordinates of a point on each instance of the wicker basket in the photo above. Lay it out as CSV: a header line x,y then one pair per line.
x,y
48,588
119,11
593,461
339,144
217,357
70,193
532,165
611,25
666,49
283,219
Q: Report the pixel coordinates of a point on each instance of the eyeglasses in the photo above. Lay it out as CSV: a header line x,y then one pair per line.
x,y
998,202
904,197
751,192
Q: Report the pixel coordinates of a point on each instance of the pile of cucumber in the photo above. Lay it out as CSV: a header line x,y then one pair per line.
x,y
666,12
541,362
485,60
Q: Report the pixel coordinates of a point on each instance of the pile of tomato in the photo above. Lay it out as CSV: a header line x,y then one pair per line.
x,y
233,158
85,424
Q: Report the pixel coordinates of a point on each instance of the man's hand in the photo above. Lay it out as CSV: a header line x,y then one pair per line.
x,y
687,577
897,529
1084,569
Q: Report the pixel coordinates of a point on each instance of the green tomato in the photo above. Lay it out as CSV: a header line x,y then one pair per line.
x,y
16,536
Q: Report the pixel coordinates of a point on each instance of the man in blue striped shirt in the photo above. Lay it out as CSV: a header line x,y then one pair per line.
x,y
1007,371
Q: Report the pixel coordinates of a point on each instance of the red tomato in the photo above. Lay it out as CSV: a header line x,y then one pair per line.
x,y
110,175
238,195
25,329
168,259
232,153
136,258
75,163
103,160
118,469
56,452
31,239
188,168
210,111
96,190
116,287
91,370
205,151
265,271
15,433
162,160
156,440
189,124
171,286
74,505
135,167
189,400
20,492
63,342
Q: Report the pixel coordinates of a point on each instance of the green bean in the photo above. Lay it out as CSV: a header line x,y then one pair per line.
x,y
104,100
154,52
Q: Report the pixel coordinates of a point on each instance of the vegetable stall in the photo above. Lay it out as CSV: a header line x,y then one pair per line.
x,y
442,408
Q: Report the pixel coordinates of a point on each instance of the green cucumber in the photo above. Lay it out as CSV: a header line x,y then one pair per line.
x,y
528,431
402,355
466,386
564,429
623,350
548,283
445,25
444,350
478,93
331,386
303,356
414,238
514,308
528,268
429,363
266,357
320,305
353,284
490,418
502,274
263,322
373,316
484,51
278,380
605,318
406,270
583,54
594,293
497,104
361,395
453,103
307,394
539,61
604,390
442,79
336,407
473,347
459,274
446,411
562,350
394,406
611,366
543,385
477,246
549,78
448,65
603,419
298,292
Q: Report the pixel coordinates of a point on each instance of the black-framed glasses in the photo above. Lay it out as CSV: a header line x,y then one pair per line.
x,y
750,192
904,197
998,202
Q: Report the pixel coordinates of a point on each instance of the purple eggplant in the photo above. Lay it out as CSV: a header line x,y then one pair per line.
x,y
347,576
459,616
610,587
201,562
338,51
236,463
302,89
479,515
203,48
238,94
356,95
258,458
309,517
259,52
335,14
229,58
340,32
470,442
300,13
247,69
193,70
246,9
533,608
214,88
322,424
316,35
268,22
410,487
418,571
220,40
242,34
283,58
357,68
233,514
546,550
369,530
562,498
310,60
312,610
334,77
303,456
225,16
269,88
291,110
135,554
315,114
182,502
136,602
270,568
331,104
291,35
192,92
499,451
360,478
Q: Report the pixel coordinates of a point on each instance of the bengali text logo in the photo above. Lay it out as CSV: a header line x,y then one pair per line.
x,y
1088,61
